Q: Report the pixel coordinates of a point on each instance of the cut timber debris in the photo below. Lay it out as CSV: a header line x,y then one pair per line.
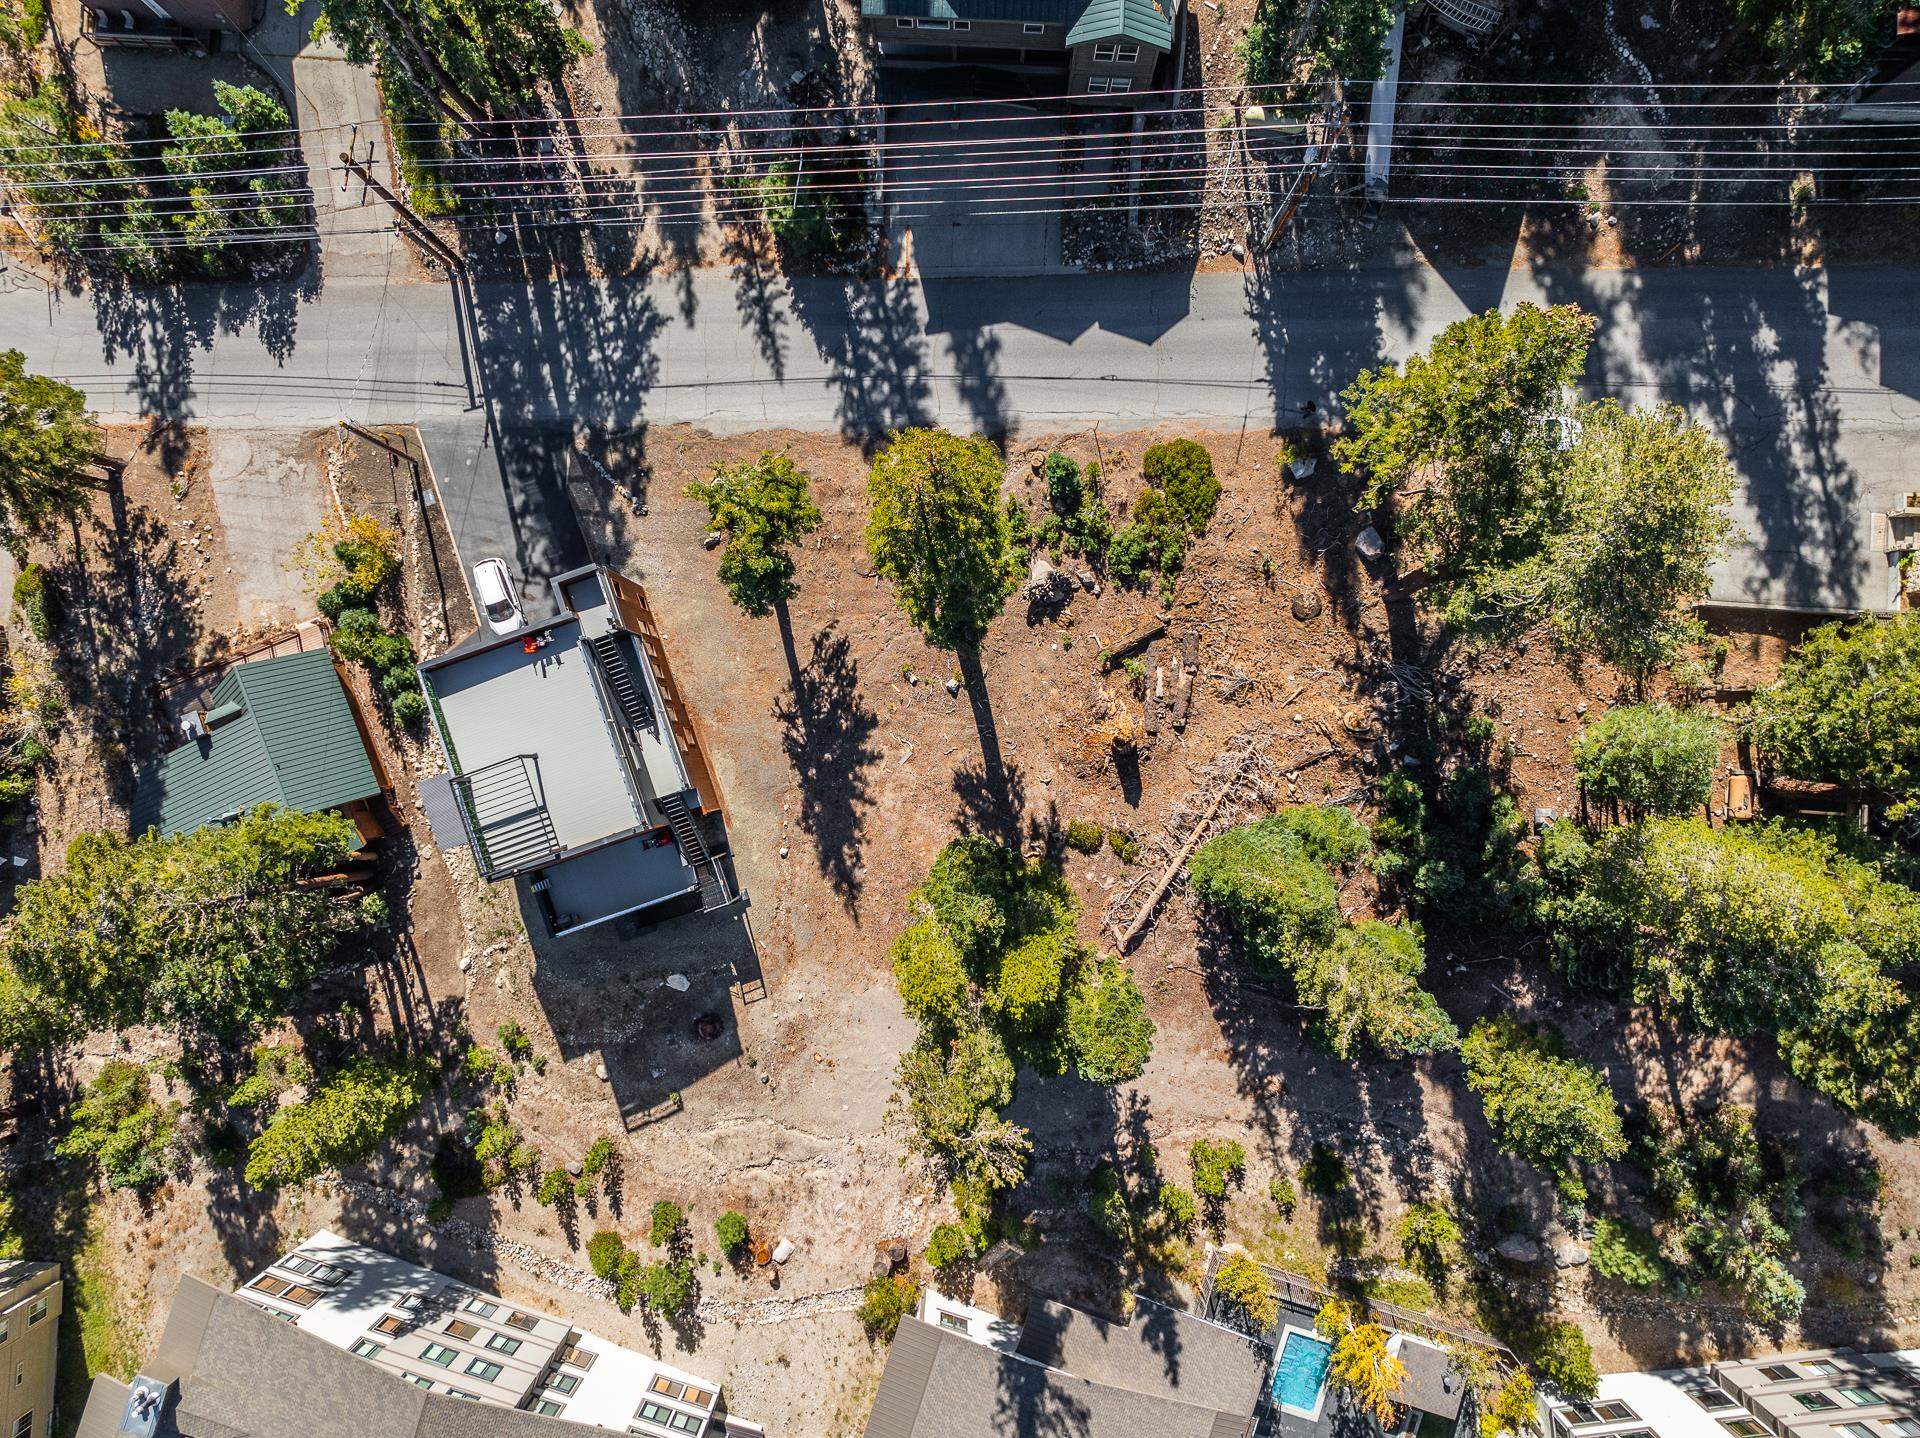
x,y
1241,780
1186,666
1111,657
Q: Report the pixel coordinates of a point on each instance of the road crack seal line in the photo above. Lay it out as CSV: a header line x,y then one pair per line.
x,y
560,1274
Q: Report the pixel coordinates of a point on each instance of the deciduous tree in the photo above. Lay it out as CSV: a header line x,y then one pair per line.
x,y
214,929
1466,438
1846,709
47,443
1649,759
1360,1367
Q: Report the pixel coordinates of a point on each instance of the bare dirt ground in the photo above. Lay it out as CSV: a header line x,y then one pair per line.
x,y
846,762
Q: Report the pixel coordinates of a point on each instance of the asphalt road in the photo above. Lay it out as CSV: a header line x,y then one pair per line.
x,y
1814,376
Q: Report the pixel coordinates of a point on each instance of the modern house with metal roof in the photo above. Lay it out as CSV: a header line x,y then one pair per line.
x,y
1097,50
950,1374
575,764
338,1340
280,731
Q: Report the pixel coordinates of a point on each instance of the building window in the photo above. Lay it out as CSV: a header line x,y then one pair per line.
x,y
953,1321
1613,1412
392,1323
486,1372
412,1301
1032,29
1904,1427
1824,1368
1116,54
904,23
300,1295
481,1307
1119,86
460,1328
524,1321
328,1274
1711,1399
37,1312
24,1428
1742,1427
1816,1401
545,1407
1856,1430
670,1419
267,1283
933,24
563,1382
500,1343
576,1355
1778,1373
439,1354
453,1392
1860,1397
294,1263
417,1381
367,1348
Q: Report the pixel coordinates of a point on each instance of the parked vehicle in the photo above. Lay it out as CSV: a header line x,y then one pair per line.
x,y
493,592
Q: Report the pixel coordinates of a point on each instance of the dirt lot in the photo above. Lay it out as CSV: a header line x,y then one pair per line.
x,y
846,762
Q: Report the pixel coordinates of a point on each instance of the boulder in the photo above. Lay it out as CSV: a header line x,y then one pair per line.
x,y
1567,1251
1519,1248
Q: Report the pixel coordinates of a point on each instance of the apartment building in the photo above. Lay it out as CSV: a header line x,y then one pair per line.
x,y
29,1344
336,1338
1815,1393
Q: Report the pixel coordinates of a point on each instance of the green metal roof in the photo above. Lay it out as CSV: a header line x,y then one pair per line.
x,y
1148,21
1039,12
294,743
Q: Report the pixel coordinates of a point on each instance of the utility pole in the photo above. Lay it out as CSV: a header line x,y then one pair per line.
x,y
1333,129
419,228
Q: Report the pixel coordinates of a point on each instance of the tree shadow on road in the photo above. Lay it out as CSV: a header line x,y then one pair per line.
x,y
869,333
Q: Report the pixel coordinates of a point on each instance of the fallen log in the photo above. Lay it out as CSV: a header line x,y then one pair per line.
x,y
1111,657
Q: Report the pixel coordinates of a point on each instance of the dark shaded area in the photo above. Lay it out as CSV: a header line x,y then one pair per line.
x,y
827,730
868,331
992,795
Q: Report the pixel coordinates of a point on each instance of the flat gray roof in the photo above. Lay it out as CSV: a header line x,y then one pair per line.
x,y
616,880
500,702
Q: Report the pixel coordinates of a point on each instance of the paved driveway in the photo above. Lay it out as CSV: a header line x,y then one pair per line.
x,y
955,184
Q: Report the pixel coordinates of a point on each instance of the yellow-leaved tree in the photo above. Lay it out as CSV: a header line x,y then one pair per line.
x,y
1361,1368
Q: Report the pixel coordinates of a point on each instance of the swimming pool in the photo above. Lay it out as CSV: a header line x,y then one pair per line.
x,y
1300,1372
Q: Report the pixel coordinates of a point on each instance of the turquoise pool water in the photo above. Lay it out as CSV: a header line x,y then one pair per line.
x,y
1300,1371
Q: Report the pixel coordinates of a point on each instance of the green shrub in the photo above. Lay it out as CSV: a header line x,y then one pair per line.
x,y
1125,847
1285,1200
1458,856
1085,837
1626,1254
1563,1358
1154,542
599,1154
514,1040
1216,1165
949,1247
1184,471
410,708
1177,1206
339,600
730,1231
1259,879
665,1287
1429,1237
668,1221
117,1124
604,1252
1650,759
883,1303
556,1184
1065,490
38,599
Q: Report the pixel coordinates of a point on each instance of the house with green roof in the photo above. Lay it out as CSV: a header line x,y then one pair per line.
x,y
1092,50
274,731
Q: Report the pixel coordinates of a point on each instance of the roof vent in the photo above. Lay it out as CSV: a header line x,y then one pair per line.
x,y
193,725
146,1397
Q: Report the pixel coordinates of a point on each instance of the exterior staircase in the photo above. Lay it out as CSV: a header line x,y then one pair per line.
x,y
629,690
714,890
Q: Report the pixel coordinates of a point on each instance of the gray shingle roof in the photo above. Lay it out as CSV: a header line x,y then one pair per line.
x,y
294,743
1431,1385
245,1374
1161,1352
942,1385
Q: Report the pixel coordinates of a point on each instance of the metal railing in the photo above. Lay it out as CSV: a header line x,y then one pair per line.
x,y
505,809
